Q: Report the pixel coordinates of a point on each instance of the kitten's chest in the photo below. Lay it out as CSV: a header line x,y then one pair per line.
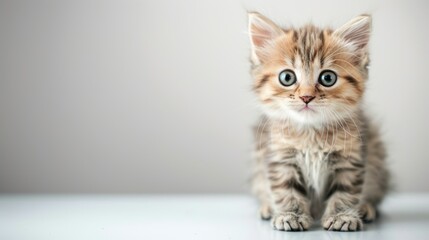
x,y
315,168
312,152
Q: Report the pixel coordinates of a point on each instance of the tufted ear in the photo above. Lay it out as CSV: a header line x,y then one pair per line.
x,y
261,31
356,32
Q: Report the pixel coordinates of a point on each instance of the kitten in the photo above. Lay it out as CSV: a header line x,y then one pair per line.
x,y
317,154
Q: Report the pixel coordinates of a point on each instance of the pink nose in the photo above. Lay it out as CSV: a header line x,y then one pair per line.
x,y
307,99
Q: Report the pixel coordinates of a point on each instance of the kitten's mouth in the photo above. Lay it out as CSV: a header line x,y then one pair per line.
x,y
306,108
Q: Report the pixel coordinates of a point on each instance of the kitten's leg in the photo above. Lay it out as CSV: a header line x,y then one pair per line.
x,y
291,205
368,212
374,188
260,184
376,176
342,209
260,188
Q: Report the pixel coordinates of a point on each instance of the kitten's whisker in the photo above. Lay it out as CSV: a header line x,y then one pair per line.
x,y
334,140
323,131
347,111
341,121
283,129
259,133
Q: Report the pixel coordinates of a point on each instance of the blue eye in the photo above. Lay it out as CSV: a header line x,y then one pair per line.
x,y
287,78
327,78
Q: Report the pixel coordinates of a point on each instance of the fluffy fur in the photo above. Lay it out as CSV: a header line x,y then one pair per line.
x,y
323,158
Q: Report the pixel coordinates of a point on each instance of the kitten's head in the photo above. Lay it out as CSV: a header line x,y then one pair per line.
x,y
310,75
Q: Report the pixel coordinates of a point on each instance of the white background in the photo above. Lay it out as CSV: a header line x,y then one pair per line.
x,y
154,96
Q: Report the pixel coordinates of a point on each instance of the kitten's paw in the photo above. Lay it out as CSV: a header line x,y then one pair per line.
x,y
265,212
291,222
342,222
368,213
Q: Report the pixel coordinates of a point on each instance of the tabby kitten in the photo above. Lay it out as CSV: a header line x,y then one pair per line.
x,y
317,154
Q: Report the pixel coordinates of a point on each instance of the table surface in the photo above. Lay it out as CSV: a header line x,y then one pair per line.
x,y
206,217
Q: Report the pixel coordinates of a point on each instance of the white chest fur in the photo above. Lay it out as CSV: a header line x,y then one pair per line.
x,y
314,167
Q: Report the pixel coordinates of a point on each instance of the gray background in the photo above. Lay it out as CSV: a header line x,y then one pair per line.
x,y
154,96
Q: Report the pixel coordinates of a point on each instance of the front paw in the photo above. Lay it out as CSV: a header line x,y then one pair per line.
x,y
342,222
265,212
291,222
368,212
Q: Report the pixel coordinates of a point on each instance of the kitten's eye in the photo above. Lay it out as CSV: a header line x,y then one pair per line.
x,y
287,78
327,78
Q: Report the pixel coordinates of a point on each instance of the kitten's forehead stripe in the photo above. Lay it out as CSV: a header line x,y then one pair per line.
x,y
310,43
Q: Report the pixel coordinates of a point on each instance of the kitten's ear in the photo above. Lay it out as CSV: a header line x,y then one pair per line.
x,y
356,32
261,31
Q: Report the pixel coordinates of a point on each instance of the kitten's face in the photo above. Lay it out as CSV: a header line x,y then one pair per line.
x,y
310,75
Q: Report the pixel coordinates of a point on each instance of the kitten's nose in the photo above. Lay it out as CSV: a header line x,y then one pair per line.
x,y
307,99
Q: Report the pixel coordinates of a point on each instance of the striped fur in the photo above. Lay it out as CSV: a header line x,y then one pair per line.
x,y
326,161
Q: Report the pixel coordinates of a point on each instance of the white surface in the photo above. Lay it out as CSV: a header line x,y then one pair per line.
x,y
183,217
